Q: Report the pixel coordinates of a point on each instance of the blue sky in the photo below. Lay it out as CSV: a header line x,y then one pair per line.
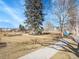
x,y
12,13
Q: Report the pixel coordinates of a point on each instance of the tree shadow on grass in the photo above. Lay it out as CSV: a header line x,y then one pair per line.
x,y
67,47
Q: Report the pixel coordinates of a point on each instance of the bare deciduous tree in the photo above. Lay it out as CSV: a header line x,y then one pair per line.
x,y
61,13
72,14
66,12
49,27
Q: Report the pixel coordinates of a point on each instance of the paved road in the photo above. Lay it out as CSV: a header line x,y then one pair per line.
x,y
44,53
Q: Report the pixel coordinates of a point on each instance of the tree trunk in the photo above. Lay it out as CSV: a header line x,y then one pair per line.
x,y
78,46
62,33
61,27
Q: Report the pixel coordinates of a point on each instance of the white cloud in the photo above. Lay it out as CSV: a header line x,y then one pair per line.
x,y
11,12
4,21
9,21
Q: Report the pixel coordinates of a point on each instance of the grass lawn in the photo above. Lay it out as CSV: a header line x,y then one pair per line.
x,y
18,46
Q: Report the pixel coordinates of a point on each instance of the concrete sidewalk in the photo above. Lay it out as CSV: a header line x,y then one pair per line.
x,y
44,53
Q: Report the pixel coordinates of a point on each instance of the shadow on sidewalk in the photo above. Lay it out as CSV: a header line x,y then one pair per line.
x,y
67,47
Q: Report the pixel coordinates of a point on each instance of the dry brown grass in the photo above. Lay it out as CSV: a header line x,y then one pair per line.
x,y
64,55
61,55
19,45
15,50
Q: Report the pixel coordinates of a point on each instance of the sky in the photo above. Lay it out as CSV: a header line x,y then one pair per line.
x,y
12,13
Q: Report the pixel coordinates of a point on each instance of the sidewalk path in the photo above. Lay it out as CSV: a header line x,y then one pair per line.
x,y
44,53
